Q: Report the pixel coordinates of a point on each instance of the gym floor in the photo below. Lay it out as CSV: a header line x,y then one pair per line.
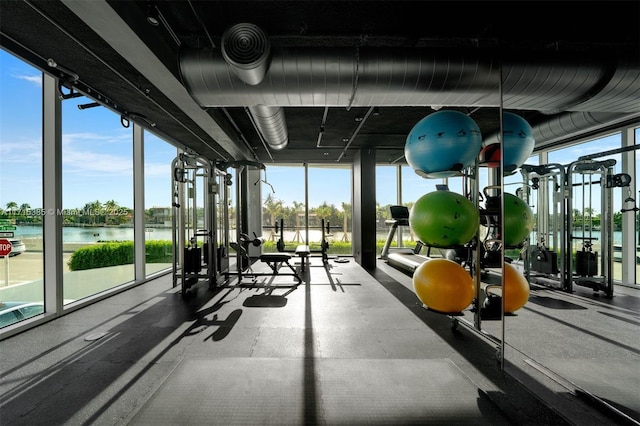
x,y
346,346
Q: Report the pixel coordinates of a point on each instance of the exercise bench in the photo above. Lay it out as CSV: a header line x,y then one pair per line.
x,y
275,262
303,252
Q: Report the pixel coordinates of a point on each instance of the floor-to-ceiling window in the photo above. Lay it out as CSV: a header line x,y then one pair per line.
x,y
97,199
298,199
387,195
329,194
158,156
283,202
21,273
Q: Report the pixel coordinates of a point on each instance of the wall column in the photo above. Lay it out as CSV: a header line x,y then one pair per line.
x,y
52,195
364,208
138,203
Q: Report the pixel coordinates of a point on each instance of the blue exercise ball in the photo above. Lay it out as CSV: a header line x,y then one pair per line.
x,y
518,144
442,144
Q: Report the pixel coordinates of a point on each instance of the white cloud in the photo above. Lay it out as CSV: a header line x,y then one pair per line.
x,y
23,151
34,79
84,153
156,169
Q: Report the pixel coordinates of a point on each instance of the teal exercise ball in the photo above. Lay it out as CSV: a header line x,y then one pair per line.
x,y
442,144
518,220
444,219
518,144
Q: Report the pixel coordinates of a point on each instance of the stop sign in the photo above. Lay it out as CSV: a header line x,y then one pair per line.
x,y
5,247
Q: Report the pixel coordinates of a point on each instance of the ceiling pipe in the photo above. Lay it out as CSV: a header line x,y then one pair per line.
x,y
584,91
418,77
570,125
247,50
271,124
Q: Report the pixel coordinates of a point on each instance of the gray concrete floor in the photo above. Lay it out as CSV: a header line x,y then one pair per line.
x,y
347,346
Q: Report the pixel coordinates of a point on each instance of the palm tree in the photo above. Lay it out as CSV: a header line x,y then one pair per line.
x,y
588,212
324,211
93,209
111,207
346,208
297,207
11,206
272,208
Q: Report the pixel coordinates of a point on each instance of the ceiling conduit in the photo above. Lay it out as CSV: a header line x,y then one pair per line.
x,y
324,77
246,50
396,77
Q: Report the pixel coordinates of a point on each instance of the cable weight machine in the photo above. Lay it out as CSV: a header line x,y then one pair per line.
x,y
565,224
195,185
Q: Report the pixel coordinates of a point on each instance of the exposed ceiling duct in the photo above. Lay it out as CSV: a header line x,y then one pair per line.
x,y
384,77
350,77
271,124
247,50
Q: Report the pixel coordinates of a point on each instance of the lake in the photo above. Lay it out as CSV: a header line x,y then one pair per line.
x,y
92,234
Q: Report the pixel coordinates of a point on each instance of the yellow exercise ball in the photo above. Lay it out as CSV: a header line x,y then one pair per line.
x,y
516,289
443,285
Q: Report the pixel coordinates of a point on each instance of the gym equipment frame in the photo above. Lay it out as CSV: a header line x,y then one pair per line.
x,y
193,233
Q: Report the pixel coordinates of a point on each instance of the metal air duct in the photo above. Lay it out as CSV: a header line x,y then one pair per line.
x,y
271,124
419,77
587,89
246,48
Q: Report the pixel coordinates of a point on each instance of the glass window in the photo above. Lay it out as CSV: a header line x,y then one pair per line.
x,y
21,286
283,202
330,205
386,196
97,200
158,156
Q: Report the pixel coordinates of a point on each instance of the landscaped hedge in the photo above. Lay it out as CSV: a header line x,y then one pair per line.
x,y
117,253
158,251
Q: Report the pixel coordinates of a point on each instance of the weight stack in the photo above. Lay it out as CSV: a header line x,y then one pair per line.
x,y
587,263
192,259
544,261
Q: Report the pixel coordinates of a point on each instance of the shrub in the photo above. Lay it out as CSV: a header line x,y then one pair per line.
x,y
158,251
117,253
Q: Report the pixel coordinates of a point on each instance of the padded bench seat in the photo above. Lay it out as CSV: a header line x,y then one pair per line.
x,y
275,257
275,260
303,251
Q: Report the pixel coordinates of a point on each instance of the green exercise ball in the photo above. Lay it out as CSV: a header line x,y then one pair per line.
x,y
518,220
444,219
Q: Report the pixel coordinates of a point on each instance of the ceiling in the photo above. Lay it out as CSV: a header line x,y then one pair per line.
x,y
324,79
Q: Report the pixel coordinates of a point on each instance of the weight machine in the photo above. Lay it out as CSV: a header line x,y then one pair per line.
x,y
545,259
558,234
275,261
195,184
247,215
590,269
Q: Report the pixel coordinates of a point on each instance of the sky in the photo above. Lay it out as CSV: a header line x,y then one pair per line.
x,y
97,149
97,157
